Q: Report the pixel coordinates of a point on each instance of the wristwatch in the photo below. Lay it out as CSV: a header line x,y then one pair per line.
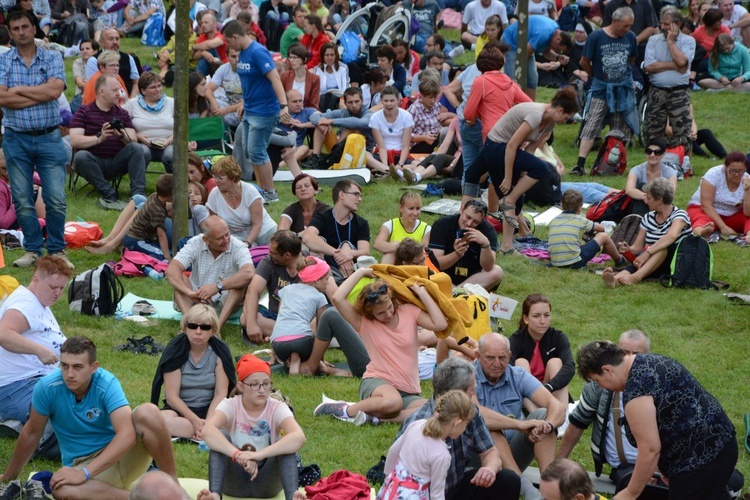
x,y
219,286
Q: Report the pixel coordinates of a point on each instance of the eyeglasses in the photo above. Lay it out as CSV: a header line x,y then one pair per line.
x,y
257,385
375,294
478,205
651,151
155,87
356,194
219,177
114,65
736,172
202,326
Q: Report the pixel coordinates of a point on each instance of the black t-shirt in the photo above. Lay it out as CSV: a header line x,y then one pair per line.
x,y
277,277
357,229
444,233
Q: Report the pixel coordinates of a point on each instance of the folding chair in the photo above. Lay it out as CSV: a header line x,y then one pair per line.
x,y
209,129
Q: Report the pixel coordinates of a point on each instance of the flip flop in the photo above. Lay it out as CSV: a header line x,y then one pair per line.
x,y
747,432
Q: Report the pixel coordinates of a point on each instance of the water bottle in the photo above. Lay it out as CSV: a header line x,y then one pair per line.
x,y
152,273
614,156
687,167
609,226
202,446
407,90
346,161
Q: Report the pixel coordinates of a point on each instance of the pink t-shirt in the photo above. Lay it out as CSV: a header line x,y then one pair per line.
x,y
259,431
393,353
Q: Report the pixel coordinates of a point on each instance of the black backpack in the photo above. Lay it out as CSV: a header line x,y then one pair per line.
x,y
546,192
692,265
96,292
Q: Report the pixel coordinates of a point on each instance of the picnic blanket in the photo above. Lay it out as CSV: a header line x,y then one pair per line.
x,y
165,309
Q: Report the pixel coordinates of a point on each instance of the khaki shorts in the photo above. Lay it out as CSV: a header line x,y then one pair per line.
x,y
368,386
125,471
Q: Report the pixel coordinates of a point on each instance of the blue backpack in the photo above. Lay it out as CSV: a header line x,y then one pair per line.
x,y
350,44
153,31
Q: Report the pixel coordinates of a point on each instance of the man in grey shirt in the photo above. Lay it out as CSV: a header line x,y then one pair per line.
x,y
667,61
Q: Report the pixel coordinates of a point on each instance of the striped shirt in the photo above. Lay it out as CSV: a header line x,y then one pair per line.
x,y
655,231
564,238
14,72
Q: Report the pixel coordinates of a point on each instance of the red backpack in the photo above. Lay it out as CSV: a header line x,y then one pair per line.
x,y
612,158
614,207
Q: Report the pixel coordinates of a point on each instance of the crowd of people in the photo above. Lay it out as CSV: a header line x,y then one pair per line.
x,y
499,402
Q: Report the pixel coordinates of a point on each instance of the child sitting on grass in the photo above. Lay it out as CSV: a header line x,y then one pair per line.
x,y
418,461
425,112
148,232
565,232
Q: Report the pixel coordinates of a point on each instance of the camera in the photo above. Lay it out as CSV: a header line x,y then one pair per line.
x,y
117,124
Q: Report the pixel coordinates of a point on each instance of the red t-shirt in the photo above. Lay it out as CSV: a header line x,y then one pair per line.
x,y
221,49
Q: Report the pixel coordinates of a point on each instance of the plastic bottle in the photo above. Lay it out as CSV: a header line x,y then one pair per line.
x,y
687,167
346,161
202,446
407,90
614,156
152,273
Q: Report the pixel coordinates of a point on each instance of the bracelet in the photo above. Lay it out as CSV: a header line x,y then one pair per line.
x,y
485,246
552,427
548,386
88,475
234,455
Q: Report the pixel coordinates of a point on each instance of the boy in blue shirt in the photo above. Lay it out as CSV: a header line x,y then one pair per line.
x,y
565,232
105,445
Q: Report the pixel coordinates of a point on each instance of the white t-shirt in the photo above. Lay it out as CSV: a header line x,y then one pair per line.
x,y
538,8
153,125
393,133
228,80
43,329
238,219
299,87
475,16
726,202
260,431
737,14
299,304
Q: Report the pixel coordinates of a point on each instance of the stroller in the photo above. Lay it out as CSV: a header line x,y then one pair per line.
x,y
370,27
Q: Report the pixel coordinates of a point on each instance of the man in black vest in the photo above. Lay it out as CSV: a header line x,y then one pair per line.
x,y
129,72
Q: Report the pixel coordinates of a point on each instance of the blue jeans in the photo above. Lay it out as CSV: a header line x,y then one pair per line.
x,y
256,137
532,76
471,143
46,154
420,40
203,67
591,191
15,399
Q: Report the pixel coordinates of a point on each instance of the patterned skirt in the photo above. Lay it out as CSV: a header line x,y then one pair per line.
x,y
403,485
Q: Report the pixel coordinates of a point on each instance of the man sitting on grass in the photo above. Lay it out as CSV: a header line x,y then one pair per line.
x,y
105,445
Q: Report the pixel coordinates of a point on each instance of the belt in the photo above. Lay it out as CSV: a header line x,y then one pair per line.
x,y
43,131
669,89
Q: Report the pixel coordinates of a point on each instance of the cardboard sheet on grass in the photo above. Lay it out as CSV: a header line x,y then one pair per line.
x,y
165,309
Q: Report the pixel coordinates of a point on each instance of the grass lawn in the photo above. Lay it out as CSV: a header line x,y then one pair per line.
x,y
701,329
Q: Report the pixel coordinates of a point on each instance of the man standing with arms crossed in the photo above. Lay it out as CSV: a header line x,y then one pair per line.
x,y
265,103
31,81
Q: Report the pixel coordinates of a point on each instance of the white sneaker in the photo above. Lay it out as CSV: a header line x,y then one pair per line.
x,y
457,51
28,260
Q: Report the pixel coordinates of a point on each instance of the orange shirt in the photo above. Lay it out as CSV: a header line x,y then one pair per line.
x,y
89,91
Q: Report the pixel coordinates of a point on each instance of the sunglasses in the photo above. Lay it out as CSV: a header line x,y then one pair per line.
x,y
478,205
651,151
195,326
375,294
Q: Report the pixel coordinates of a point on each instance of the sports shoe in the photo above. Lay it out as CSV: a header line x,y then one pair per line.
x,y
10,428
112,204
64,257
456,52
394,173
10,491
270,196
578,171
336,409
409,175
34,490
28,260
432,190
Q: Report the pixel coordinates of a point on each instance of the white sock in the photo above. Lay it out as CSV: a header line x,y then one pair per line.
x,y
400,172
417,177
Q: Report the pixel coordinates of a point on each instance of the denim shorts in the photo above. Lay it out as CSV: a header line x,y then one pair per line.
x,y
15,399
257,132
588,252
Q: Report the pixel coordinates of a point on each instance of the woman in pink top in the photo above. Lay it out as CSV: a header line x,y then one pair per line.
x,y
388,329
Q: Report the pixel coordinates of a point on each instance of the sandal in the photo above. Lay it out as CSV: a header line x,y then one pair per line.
x,y
512,252
510,219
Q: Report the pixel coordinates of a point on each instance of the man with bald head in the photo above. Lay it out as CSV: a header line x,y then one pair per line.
x,y
210,49
501,391
604,408
110,40
298,122
566,480
221,270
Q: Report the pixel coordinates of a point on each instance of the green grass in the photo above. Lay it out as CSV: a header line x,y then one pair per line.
x,y
700,329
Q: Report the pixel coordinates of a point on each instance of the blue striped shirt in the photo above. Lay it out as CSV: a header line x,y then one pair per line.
x,y
14,73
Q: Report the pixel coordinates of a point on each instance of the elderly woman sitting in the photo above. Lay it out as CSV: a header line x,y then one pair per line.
x,y
660,232
153,119
722,202
108,63
240,204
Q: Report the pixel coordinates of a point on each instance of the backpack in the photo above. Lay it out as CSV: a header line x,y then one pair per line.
x,y
96,292
353,154
73,30
692,265
349,43
615,206
546,192
627,230
612,158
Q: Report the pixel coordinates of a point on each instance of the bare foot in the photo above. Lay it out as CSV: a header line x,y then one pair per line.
x,y
99,243
294,362
704,231
204,494
609,277
625,278
101,250
299,495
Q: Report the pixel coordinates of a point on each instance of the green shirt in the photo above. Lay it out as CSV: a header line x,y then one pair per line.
x,y
290,35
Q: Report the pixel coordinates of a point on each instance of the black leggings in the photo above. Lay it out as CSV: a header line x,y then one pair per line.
x,y
707,138
710,481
